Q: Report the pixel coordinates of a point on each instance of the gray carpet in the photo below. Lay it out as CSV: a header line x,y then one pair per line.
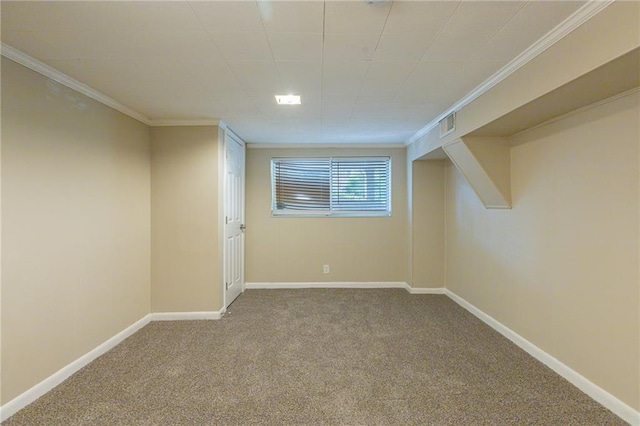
x,y
319,357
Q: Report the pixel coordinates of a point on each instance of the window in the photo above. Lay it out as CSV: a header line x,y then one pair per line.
x,y
336,186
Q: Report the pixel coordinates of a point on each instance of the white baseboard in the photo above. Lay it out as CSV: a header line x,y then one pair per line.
x,y
609,401
333,284
328,284
181,316
418,290
27,397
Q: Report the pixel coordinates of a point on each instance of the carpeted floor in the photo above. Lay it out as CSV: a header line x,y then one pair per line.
x,y
319,357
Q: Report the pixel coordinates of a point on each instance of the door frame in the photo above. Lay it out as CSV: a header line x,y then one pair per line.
x,y
223,133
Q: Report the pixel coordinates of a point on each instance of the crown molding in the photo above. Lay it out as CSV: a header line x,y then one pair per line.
x,y
324,145
579,17
169,122
52,73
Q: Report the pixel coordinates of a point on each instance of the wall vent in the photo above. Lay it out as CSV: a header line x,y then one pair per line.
x,y
447,124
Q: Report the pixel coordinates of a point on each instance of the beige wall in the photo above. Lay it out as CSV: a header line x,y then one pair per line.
x,y
561,267
184,219
427,224
284,249
75,220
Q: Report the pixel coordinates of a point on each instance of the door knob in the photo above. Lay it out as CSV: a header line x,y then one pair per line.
x,y
243,227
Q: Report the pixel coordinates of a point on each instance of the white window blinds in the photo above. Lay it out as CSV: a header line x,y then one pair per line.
x,y
337,186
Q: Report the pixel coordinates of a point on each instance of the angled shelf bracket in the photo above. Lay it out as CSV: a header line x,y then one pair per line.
x,y
485,162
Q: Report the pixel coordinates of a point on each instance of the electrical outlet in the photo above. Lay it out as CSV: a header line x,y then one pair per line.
x,y
325,269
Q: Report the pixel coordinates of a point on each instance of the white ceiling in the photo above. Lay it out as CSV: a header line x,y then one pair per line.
x,y
367,73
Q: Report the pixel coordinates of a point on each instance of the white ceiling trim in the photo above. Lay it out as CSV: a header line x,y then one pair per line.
x,y
578,18
52,73
324,145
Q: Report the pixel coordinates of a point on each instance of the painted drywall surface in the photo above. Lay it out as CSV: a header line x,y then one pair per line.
x,y
285,249
184,219
606,36
561,267
428,224
75,216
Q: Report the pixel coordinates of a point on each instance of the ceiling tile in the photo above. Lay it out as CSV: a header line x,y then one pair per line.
x,y
483,16
421,17
239,106
300,77
426,78
32,16
296,46
332,113
66,16
111,16
343,78
213,107
370,107
189,45
93,44
292,16
385,78
228,16
337,107
504,46
539,17
243,46
33,43
127,45
403,46
341,100
350,47
257,77
216,78
355,17
309,127
374,130
456,45
161,16
387,108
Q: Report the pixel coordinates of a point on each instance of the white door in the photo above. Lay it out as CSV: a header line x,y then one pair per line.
x,y
234,218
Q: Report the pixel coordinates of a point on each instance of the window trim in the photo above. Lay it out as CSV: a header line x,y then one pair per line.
x,y
332,213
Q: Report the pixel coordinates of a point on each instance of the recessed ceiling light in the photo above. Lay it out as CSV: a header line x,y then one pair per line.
x,y
288,99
